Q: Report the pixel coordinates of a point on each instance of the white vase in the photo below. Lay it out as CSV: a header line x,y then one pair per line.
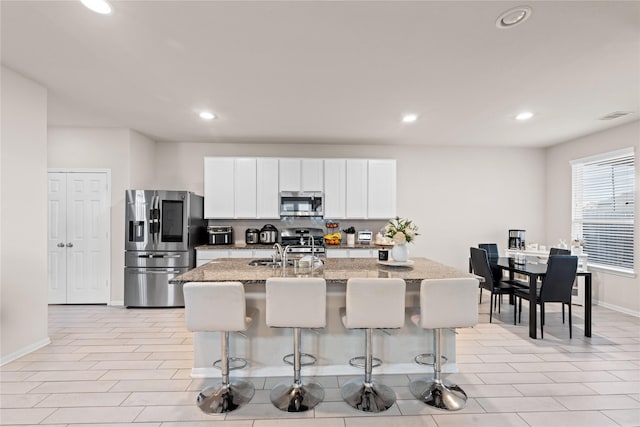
x,y
400,252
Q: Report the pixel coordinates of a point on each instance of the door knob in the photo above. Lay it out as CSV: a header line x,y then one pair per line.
x,y
69,245
61,245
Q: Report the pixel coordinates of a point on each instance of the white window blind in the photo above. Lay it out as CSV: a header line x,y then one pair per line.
x,y
603,208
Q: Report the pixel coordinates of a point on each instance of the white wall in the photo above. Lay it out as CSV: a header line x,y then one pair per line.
x,y
142,162
610,290
131,158
458,196
23,257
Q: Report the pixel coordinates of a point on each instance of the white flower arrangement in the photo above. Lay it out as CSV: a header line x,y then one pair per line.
x,y
401,230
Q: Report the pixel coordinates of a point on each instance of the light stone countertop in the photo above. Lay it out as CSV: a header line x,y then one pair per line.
x,y
334,270
270,246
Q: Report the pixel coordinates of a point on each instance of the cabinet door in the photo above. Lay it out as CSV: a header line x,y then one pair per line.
x,y
203,256
356,188
312,173
263,253
268,185
335,188
381,189
241,253
362,253
245,188
337,253
218,187
290,175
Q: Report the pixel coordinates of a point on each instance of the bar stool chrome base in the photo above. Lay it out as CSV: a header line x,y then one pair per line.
x,y
222,398
437,394
368,397
296,397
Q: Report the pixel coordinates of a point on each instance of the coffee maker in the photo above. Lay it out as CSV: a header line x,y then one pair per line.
x,y
516,239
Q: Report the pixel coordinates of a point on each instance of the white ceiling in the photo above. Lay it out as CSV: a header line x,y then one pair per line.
x,y
332,71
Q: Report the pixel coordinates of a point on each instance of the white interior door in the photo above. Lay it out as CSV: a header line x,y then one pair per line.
x,y
57,237
81,218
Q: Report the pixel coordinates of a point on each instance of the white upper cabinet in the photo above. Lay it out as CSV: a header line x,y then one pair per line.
x,y
248,188
301,174
381,200
356,188
312,175
290,175
245,188
268,199
218,187
335,179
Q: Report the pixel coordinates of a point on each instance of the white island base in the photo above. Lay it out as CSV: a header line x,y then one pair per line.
x,y
264,347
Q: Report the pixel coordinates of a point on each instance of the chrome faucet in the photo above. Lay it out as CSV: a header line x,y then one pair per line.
x,y
277,257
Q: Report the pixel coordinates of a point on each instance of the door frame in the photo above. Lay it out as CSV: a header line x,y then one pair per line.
x,y
109,206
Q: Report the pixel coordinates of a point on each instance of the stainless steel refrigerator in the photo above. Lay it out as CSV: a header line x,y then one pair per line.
x,y
162,230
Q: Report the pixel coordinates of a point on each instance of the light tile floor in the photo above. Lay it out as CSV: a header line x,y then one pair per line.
x,y
111,366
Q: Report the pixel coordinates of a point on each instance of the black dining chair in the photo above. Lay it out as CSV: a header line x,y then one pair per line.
x,y
556,287
559,251
482,268
493,254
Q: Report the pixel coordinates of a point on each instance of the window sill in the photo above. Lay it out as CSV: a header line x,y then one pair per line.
x,y
612,270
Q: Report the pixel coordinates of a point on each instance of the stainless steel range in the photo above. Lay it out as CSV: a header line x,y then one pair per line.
x,y
303,241
162,229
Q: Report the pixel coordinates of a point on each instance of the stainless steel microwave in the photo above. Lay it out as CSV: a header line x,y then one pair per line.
x,y
301,203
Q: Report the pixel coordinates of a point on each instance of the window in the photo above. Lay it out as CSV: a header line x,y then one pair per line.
x,y
603,206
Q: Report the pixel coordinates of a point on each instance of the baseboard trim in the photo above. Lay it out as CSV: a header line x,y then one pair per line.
x,y
617,308
116,303
24,351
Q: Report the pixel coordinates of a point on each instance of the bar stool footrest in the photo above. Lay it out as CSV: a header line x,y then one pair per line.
x,y
311,359
420,359
234,363
359,361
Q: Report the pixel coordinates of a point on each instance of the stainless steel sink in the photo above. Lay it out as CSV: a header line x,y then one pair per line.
x,y
263,261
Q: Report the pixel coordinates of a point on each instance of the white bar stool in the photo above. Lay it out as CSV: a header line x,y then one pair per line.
x,y
219,306
296,303
444,303
372,303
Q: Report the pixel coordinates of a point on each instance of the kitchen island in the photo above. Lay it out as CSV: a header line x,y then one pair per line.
x,y
333,345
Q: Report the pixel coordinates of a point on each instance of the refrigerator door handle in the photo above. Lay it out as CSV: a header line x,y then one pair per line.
x,y
165,271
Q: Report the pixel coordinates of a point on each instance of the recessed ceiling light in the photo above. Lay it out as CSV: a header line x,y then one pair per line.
x,y
525,115
409,118
513,17
205,115
99,6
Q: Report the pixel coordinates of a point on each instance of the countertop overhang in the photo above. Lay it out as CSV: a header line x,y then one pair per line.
x,y
334,270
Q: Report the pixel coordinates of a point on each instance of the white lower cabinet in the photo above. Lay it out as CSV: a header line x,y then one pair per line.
x,y
203,256
352,253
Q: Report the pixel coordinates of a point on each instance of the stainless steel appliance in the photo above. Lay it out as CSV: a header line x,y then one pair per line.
x,y
303,241
365,237
252,236
268,234
220,234
516,239
162,229
301,203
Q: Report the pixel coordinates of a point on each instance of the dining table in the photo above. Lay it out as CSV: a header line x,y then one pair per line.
x,y
534,270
